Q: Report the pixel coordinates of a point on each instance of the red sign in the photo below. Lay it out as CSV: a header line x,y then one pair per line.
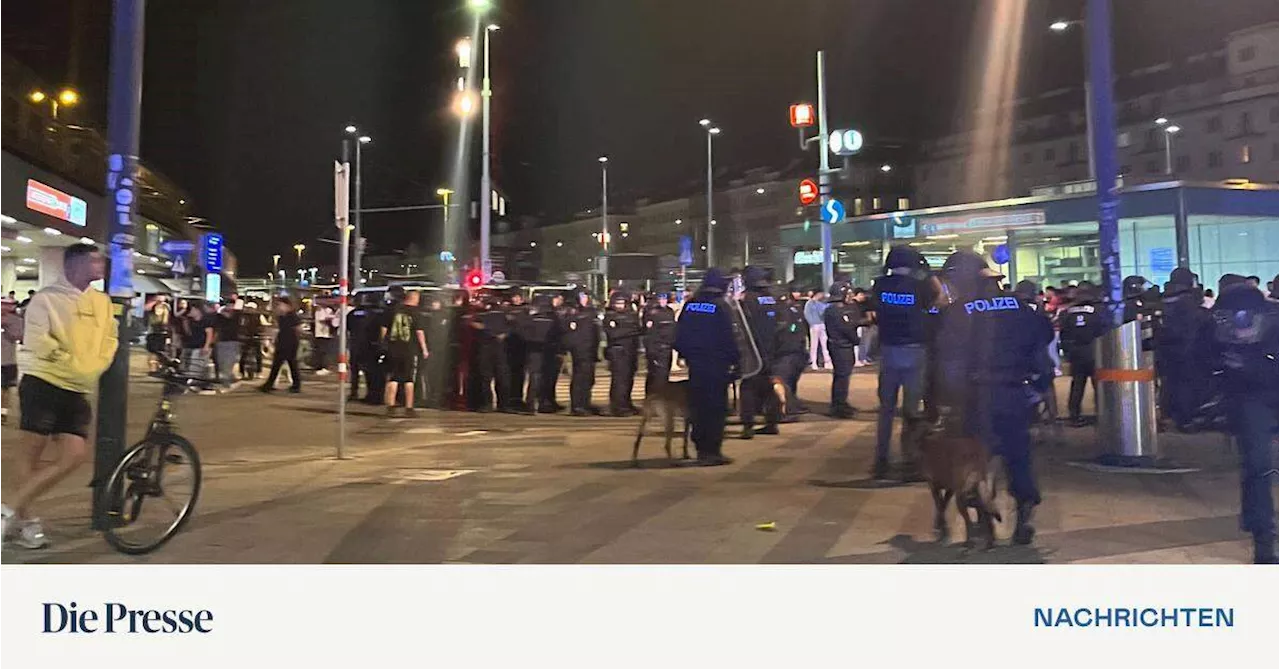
x,y
801,115
808,192
475,279
53,202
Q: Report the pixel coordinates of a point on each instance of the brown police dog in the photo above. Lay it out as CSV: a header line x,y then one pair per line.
x,y
959,466
671,399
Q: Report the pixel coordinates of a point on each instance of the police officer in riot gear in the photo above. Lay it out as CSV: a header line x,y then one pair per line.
x,y
1244,345
761,309
659,336
989,347
553,356
622,343
517,313
1082,322
842,320
1184,371
704,338
902,299
435,370
491,330
582,341
792,352
537,325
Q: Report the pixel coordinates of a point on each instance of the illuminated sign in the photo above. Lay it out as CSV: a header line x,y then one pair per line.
x,y
801,115
53,202
213,288
982,221
808,258
845,142
808,192
211,251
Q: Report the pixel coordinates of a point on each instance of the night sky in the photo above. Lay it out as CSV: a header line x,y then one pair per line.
x,y
245,100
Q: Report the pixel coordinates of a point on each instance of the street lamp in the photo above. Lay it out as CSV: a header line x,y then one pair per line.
x,y
486,186
357,217
604,222
275,264
443,194
464,103
67,97
299,248
712,131
886,168
1061,26
1169,131
463,49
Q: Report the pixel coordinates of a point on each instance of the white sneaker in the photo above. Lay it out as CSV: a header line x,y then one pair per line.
x,y
31,535
322,372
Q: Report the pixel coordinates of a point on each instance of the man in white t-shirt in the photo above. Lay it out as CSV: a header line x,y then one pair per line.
x,y
324,326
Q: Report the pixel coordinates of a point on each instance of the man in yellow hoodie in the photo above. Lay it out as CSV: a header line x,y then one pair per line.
x,y
71,334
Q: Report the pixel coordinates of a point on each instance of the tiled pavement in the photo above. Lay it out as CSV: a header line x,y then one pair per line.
x,y
554,489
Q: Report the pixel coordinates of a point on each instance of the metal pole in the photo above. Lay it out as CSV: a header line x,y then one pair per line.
x,y
1088,123
344,256
1168,152
1098,23
604,225
359,234
824,167
124,115
710,200
486,263
746,248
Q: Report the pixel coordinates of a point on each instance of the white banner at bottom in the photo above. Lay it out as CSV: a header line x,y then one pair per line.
x,y
638,616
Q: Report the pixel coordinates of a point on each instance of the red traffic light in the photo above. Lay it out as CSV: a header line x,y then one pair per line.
x,y
801,115
808,192
474,278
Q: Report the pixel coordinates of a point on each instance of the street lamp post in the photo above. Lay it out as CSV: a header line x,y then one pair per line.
x,y
604,223
67,97
1169,131
275,266
1061,26
299,248
358,256
712,131
486,205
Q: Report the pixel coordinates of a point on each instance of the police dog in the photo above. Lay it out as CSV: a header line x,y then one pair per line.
x,y
671,398
957,465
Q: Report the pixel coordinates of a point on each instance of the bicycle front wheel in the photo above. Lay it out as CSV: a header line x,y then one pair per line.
x,y
151,494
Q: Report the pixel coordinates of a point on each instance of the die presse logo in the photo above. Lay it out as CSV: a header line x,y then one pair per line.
x,y
115,618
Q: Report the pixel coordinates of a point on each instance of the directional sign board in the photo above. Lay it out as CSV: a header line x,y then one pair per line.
x,y
177,247
801,115
686,250
808,192
179,266
211,251
845,142
833,212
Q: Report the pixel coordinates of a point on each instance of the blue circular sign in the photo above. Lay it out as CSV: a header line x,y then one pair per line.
x,y
1000,254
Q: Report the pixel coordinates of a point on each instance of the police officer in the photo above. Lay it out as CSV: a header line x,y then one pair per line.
x,y
1082,322
582,341
792,352
492,329
517,313
704,338
659,336
1244,345
761,309
990,355
435,368
622,343
362,351
901,299
537,327
553,358
1184,372
842,320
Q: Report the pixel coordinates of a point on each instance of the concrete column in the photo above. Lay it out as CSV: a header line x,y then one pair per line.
x,y
8,274
50,265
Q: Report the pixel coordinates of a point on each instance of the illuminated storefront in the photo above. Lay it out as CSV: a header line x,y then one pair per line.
x,y
1211,228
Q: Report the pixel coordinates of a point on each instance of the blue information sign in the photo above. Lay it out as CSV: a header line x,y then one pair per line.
x,y
833,211
1163,260
211,251
175,247
686,250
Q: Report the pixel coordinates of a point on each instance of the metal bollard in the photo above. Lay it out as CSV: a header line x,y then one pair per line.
x,y
1126,398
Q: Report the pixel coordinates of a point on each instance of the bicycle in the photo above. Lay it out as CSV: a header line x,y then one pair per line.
x,y
147,470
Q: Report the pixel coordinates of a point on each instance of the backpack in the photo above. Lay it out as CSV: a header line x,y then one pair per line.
x,y
1246,341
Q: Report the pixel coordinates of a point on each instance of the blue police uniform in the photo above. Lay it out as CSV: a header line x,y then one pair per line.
x,y
792,350
1245,346
1185,378
1081,323
989,347
761,309
901,302
704,338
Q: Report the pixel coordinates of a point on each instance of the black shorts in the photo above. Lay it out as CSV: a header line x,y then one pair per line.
x,y
157,342
8,376
48,409
402,366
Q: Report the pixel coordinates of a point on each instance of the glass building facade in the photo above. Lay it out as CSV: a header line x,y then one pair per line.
x,y
1213,229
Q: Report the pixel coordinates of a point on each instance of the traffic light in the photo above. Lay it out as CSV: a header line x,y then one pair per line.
x,y
474,279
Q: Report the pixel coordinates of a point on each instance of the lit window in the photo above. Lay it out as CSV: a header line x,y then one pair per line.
x,y
1244,154
857,206
904,203
875,204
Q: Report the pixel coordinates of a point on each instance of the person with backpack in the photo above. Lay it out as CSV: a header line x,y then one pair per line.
x,y
1245,345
